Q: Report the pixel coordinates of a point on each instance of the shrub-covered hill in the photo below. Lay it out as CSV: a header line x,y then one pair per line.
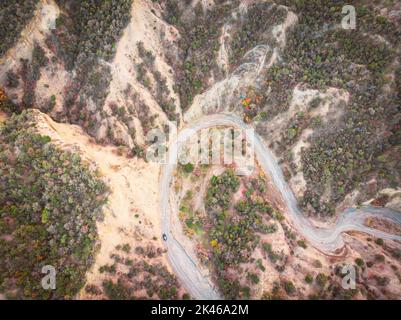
x,y
328,157
14,15
49,203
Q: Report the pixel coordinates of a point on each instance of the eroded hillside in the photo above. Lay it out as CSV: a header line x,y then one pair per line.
x,y
105,74
325,98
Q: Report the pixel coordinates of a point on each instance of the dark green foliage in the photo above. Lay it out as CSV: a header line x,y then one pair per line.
x,y
6,105
116,291
49,203
233,235
172,12
254,28
154,277
221,188
199,45
30,74
14,15
86,35
259,264
186,296
93,289
308,278
302,244
245,293
342,294
273,256
264,228
364,144
382,281
361,50
149,251
359,262
321,280
126,248
92,80
160,90
296,124
229,287
138,151
282,82
89,29
188,168
289,287
253,278
12,79
108,269
51,103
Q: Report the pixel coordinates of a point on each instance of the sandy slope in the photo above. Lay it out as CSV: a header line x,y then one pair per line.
x,y
146,25
3,116
219,96
133,186
134,183
35,31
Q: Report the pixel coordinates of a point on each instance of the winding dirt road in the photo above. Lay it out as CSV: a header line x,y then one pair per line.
x,y
326,240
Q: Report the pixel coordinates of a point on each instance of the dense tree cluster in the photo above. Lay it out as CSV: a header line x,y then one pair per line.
x,y
14,15
254,29
199,44
134,275
30,74
49,204
219,193
194,221
234,234
159,90
86,36
363,144
89,30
